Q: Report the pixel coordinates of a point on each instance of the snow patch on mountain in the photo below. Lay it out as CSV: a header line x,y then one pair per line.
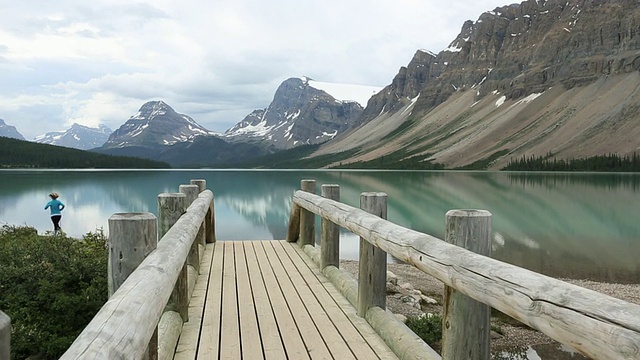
x,y
345,92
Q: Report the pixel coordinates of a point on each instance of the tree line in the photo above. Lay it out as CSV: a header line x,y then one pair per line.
x,y
609,163
16,153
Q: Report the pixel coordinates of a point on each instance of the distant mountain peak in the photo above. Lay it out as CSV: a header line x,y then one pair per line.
x,y
77,136
9,131
303,111
156,124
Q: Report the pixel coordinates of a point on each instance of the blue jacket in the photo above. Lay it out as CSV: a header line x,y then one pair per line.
x,y
56,207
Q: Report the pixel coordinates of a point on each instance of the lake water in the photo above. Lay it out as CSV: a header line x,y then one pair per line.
x,y
563,225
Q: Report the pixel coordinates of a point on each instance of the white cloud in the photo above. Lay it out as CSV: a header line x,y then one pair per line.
x,y
71,61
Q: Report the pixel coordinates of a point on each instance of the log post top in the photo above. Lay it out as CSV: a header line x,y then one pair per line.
x,y
468,213
132,216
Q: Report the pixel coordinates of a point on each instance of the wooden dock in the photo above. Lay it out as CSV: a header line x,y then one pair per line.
x,y
268,300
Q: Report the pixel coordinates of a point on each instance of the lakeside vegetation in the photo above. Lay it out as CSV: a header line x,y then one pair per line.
x,y
604,163
16,153
51,286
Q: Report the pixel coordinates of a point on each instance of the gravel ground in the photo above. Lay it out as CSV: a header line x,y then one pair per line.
x,y
515,336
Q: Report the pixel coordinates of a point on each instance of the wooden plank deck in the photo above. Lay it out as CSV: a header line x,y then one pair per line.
x,y
267,300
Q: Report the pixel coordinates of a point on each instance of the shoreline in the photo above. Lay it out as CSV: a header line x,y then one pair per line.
x,y
514,336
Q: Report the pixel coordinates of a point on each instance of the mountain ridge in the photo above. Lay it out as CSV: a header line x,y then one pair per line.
x,y
528,79
9,131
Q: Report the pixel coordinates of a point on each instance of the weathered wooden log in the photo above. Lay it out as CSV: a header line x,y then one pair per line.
x,y
402,340
202,236
201,183
330,241
191,192
132,237
210,219
169,329
466,330
126,322
293,231
307,219
170,207
372,270
5,336
597,325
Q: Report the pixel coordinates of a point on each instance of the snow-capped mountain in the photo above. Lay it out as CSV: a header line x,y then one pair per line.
x,y
77,137
9,131
303,111
156,124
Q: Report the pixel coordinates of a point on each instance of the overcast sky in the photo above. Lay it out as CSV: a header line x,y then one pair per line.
x,y
98,61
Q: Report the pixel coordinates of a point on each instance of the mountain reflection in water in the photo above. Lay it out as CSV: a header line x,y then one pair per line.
x,y
562,225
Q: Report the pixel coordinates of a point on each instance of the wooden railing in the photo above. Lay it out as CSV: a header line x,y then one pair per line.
x,y
5,335
596,325
150,281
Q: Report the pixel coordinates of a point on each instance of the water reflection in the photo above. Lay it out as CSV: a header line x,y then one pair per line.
x,y
562,225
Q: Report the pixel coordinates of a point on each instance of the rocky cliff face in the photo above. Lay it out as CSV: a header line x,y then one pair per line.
x,y
9,131
510,56
299,114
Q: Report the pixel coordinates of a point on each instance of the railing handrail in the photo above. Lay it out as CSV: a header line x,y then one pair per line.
x,y
595,324
123,326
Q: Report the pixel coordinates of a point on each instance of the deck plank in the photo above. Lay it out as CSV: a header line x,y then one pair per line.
x,y
230,327
321,317
268,300
251,344
307,328
292,340
188,343
208,346
359,335
269,333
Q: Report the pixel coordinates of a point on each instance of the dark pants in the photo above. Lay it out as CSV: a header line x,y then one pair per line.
x,y
56,222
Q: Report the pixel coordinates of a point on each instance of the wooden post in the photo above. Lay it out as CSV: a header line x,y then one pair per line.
x,y
307,218
209,220
372,272
330,242
5,336
466,324
202,184
170,207
293,231
132,236
191,192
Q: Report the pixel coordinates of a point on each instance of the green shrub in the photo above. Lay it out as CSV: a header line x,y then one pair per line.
x,y
428,328
51,287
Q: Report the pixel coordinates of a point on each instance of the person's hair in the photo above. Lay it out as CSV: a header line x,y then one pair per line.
x,y
53,195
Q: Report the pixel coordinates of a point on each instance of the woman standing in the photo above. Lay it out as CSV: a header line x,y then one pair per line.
x,y
56,207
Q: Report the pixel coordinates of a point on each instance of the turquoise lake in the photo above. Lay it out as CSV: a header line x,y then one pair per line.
x,y
572,225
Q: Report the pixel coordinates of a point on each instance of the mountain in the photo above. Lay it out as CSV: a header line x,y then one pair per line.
x,y
9,131
77,137
158,133
155,125
303,111
558,78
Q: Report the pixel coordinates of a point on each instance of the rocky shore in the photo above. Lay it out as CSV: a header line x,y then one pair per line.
x,y
410,292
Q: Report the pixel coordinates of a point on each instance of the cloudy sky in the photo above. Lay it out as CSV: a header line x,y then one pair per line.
x,y
92,62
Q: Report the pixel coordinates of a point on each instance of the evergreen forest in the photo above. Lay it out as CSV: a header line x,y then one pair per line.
x,y
25,154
